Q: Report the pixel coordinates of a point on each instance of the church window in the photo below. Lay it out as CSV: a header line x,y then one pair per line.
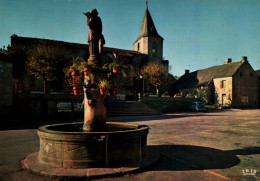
x,y
138,46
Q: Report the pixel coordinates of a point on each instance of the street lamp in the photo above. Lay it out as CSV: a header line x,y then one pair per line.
x,y
141,77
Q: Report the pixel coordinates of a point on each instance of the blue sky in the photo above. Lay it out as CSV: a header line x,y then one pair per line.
x,y
197,33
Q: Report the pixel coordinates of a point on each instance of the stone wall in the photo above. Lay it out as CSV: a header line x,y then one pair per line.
x,y
168,104
146,45
143,45
245,88
156,44
223,90
41,106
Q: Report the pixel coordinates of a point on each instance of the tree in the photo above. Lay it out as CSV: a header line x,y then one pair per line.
x,y
156,73
17,55
47,63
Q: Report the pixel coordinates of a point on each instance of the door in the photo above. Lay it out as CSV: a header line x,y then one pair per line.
x,y
224,99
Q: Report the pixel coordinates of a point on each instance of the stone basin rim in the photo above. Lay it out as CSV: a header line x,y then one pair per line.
x,y
133,128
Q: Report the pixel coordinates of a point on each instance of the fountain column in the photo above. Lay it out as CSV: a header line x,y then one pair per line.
x,y
94,107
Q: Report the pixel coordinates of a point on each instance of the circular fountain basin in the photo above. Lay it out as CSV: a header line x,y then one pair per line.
x,y
68,146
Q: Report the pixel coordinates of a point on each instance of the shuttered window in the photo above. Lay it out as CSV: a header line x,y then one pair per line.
x,y
222,83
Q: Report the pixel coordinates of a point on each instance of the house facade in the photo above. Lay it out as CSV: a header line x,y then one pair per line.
x,y
232,84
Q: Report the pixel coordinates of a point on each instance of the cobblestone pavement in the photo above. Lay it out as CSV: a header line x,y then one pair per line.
x,y
219,145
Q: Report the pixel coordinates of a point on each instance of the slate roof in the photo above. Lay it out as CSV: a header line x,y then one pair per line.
x,y
147,28
16,40
205,76
122,52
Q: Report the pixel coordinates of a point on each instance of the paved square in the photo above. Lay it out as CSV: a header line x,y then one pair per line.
x,y
218,145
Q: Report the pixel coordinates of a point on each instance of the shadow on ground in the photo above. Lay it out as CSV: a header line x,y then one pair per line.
x,y
246,151
37,122
34,123
189,157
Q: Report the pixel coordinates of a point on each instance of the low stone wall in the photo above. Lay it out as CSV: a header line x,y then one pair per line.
x,y
168,104
44,106
31,106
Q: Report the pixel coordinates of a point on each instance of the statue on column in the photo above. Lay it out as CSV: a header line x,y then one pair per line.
x,y
94,100
95,38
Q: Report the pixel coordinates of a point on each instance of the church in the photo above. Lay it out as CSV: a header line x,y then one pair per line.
x,y
148,47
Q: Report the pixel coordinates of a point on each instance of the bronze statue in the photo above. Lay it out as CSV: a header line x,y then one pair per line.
x,y
95,38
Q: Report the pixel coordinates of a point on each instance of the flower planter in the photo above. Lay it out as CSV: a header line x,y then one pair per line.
x,y
102,91
86,69
76,91
116,72
75,73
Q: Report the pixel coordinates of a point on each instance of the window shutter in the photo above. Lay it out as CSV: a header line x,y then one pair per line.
x,y
221,84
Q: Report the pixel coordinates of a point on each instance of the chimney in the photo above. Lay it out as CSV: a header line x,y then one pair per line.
x,y
187,71
228,60
244,59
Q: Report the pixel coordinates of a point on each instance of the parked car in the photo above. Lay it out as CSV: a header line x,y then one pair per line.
x,y
197,106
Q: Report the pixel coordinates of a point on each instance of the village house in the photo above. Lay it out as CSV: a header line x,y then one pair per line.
x,y
231,84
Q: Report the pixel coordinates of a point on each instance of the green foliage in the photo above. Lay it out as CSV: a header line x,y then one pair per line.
x,y
156,73
103,84
85,64
76,65
47,63
115,63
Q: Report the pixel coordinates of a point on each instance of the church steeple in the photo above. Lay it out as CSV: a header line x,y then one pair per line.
x,y
149,41
148,28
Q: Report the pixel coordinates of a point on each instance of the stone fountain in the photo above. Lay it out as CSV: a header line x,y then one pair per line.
x,y
73,148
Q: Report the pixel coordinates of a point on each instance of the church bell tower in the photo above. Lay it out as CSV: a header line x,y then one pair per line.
x,y
149,41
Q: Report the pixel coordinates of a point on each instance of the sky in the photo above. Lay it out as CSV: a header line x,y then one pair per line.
x,y
197,33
